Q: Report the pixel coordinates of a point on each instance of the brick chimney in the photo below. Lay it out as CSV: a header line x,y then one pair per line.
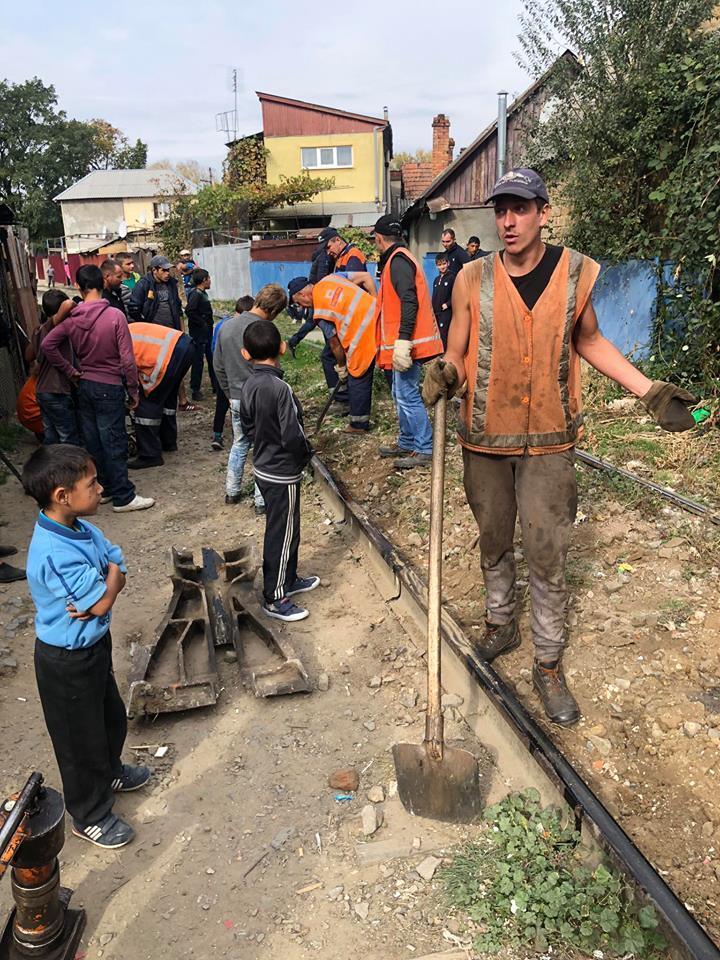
x,y
442,144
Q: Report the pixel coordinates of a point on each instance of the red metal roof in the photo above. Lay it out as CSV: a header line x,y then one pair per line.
x,y
283,117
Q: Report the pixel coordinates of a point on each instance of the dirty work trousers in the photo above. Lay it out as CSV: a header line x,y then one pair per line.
x,y
360,396
543,491
86,720
155,416
282,537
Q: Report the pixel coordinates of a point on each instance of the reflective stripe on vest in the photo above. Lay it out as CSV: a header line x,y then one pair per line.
x,y
523,372
352,323
427,341
345,256
165,340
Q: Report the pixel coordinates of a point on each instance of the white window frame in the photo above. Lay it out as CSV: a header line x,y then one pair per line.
x,y
328,166
161,210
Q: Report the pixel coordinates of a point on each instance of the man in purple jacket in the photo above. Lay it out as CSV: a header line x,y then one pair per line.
x,y
103,349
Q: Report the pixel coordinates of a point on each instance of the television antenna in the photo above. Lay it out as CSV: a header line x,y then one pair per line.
x,y
227,121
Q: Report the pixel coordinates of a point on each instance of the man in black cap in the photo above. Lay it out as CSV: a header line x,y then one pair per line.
x,y
155,297
518,349
408,335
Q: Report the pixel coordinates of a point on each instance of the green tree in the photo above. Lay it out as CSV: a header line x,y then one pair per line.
x,y
632,145
112,150
43,152
222,207
418,156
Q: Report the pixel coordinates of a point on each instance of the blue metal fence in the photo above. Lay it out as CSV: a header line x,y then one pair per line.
x,y
276,271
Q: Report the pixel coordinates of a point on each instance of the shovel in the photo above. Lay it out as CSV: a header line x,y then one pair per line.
x,y
436,781
328,404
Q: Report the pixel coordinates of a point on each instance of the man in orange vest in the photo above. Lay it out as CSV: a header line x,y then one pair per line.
x,y
344,306
346,256
407,335
522,319
163,356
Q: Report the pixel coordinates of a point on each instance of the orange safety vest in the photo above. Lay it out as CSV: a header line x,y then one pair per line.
x,y
153,346
426,341
345,256
352,311
27,407
523,372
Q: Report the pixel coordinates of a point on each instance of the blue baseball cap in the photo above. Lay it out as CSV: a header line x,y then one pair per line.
x,y
296,285
520,182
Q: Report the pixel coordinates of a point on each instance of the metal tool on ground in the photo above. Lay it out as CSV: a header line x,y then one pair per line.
x,y
212,605
32,834
328,404
434,780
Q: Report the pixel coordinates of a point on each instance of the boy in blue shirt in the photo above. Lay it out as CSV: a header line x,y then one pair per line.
x,y
75,575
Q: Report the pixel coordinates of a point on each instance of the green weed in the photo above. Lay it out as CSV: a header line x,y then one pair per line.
x,y
526,883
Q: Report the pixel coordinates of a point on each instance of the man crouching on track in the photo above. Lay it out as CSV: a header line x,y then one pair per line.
x,y
344,305
522,319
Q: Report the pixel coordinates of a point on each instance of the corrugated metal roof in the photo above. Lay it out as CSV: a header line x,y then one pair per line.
x,y
122,184
354,219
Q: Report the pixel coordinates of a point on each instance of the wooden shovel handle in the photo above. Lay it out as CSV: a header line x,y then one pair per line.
x,y
434,726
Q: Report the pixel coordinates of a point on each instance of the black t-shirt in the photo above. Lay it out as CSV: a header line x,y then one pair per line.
x,y
531,285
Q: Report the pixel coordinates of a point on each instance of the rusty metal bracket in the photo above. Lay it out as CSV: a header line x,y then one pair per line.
x,y
212,605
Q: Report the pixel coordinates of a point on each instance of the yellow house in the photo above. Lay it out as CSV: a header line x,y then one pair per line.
x,y
352,148
110,205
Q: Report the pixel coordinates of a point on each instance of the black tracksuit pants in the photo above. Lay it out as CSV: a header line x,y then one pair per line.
x,y
86,720
282,537
155,416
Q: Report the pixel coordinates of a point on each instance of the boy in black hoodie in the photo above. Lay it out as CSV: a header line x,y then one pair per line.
x,y
272,420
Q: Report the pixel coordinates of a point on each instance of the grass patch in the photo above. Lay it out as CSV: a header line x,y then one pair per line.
x,y
527,883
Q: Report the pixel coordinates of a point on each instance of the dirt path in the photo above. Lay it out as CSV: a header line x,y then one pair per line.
x,y
248,776
643,656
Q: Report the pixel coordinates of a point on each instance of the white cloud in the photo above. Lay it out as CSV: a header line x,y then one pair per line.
x,y
163,78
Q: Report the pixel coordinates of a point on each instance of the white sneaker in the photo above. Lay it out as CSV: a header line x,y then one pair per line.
x,y
138,503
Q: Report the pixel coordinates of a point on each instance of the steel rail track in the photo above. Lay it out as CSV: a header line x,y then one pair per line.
x,y
514,727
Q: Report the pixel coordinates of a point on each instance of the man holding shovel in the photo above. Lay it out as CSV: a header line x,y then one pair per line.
x,y
522,319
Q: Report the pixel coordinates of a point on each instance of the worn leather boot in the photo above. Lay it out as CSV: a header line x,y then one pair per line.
x,y
497,640
559,704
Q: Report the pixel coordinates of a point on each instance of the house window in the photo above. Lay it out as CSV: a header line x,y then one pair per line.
x,y
323,158
161,210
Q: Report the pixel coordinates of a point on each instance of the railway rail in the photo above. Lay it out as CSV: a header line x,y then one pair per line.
x,y
525,755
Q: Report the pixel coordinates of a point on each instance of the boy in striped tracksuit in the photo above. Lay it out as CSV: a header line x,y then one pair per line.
x,y
272,420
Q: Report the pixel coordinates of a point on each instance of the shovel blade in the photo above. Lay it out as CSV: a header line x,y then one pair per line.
x,y
447,789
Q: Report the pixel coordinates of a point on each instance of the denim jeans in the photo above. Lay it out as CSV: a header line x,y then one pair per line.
x,y
60,418
238,457
415,430
102,417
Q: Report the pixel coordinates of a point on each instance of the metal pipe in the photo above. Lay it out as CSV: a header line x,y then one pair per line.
x,y
691,505
16,809
501,134
377,166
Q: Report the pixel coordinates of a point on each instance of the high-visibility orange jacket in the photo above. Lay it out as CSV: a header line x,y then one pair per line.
x,y
345,256
352,310
426,341
153,346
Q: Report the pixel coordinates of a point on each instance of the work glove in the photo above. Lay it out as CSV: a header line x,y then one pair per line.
x,y
440,376
402,356
668,405
342,373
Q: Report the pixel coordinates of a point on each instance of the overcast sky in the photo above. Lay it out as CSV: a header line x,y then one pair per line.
x,y
162,74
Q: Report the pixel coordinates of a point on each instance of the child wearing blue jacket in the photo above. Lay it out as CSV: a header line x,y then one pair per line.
x,y
75,575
